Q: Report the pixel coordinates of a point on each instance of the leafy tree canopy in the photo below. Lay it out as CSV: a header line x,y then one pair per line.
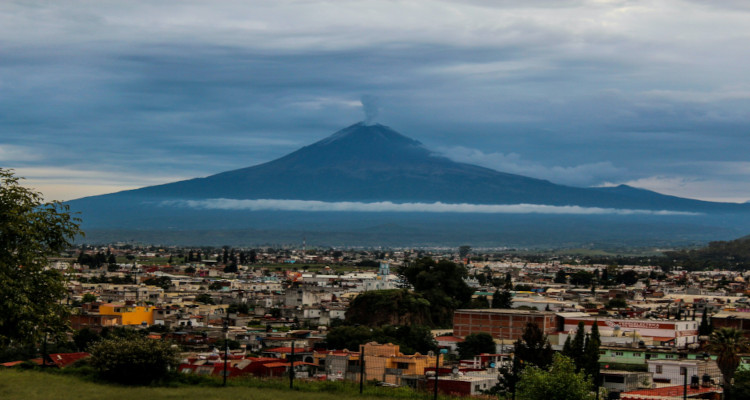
x,y
502,299
389,307
30,292
134,360
442,284
533,347
162,282
410,338
727,344
204,298
582,278
476,343
561,382
617,303
741,389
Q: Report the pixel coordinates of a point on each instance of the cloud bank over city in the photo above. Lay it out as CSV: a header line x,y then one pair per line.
x,y
106,96
387,206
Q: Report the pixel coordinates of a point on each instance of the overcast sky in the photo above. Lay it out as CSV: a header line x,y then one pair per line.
x,y
101,96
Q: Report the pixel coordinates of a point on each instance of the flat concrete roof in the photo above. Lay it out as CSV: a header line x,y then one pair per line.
x,y
505,311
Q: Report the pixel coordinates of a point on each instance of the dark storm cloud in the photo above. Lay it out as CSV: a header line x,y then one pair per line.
x,y
577,92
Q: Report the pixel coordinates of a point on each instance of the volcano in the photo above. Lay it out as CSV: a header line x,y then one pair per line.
x,y
373,164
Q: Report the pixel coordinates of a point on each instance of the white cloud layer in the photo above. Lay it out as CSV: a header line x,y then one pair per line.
x,y
387,206
589,174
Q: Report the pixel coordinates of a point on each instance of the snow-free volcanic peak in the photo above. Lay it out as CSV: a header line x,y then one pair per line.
x,y
361,163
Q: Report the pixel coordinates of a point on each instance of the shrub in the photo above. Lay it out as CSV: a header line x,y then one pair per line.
x,y
133,360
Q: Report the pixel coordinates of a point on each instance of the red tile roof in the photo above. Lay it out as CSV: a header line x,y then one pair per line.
x,y
287,350
62,360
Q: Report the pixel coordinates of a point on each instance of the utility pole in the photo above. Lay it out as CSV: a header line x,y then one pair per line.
x,y
291,368
437,373
684,371
226,347
361,368
515,375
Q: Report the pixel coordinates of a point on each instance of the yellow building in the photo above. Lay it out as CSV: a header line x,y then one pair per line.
x,y
384,362
131,315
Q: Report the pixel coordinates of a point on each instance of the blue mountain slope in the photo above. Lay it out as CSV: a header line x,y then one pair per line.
x,y
374,163
364,163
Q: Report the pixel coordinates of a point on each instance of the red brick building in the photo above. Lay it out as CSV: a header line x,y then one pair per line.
x,y
502,323
732,319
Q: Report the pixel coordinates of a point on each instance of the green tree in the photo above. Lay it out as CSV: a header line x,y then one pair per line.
x,y
705,328
163,282
567,349
442,284
233,344
577,346
590,356
84,338
561,382
727,344
410,338
533,347
133,360
88,298
348,337
582,278
231,268
628,277
616,303
204,298
31,292
502,299
476,343
561,277
741,389
463,251
389,307
479,303
238,308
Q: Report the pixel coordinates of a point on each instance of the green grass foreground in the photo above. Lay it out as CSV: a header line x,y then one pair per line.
x,y
38,385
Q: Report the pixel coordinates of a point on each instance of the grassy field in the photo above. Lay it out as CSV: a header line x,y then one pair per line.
x,y
36,385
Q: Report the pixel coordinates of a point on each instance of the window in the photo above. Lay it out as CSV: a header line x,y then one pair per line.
x,y
636,354
658,369
614,378
669,356
402,365
618,353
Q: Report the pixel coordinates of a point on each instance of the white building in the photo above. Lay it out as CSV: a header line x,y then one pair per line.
x,y
680,334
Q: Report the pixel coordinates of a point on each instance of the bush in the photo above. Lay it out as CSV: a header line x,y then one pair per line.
x,y
133,360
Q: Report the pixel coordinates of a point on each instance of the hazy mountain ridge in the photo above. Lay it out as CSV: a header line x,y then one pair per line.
x,y
373,163
731,255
